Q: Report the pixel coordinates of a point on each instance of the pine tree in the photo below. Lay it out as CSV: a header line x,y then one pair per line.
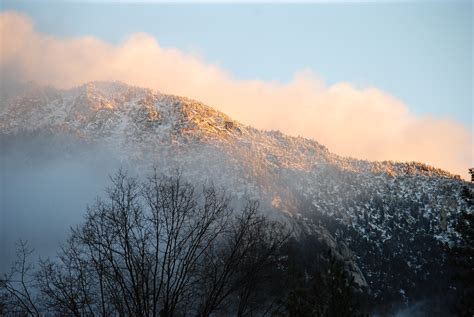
x,y
462,259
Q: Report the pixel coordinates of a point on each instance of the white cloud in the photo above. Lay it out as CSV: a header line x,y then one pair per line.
x,y
363,123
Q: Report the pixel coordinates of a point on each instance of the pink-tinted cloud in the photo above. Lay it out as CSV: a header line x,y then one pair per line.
x,y
363,123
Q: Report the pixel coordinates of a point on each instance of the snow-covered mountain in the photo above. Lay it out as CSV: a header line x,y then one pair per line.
x,y
387,220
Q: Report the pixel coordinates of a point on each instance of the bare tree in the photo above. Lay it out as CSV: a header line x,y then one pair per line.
x,y
16,297
241,262
157,248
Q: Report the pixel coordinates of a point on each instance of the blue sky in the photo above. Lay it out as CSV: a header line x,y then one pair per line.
x,y
420,52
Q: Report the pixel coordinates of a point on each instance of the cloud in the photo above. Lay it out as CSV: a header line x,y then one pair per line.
x,y
363,123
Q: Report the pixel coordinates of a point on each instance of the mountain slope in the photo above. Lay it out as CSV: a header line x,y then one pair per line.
x,y
387,220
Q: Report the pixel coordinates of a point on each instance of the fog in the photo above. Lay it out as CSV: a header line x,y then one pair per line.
x,y
44,191
48,180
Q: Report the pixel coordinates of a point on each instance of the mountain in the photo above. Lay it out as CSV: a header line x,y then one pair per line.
x,y
387,220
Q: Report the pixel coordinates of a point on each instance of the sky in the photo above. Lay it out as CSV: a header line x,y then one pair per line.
x,y
351,66
420,52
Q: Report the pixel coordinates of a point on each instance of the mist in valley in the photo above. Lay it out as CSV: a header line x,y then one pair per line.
x,y
45,189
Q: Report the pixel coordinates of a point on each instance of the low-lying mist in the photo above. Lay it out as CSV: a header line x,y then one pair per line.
x,y
45,190
48,180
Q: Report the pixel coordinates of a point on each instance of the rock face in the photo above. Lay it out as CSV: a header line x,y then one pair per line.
x,y
386,220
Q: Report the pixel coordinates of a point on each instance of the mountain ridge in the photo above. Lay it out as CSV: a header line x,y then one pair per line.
x,y
197,120
388,221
